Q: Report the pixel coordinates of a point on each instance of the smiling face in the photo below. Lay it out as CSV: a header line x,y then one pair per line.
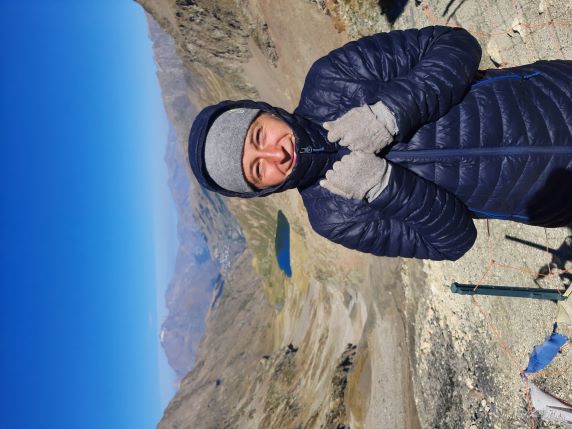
x,y
269,154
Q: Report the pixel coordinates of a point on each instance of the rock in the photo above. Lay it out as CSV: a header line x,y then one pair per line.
x,y
469,383
517,27
494,53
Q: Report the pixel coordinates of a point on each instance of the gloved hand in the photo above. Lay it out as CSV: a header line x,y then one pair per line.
x,y
358,175
365,128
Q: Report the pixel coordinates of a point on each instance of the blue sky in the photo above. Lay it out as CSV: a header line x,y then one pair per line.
x,y
87,226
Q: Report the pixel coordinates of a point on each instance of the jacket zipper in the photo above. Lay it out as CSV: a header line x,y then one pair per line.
x,y
510,150
404,155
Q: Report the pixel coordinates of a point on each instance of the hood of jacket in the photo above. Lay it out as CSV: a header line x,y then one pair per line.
x,y
315,155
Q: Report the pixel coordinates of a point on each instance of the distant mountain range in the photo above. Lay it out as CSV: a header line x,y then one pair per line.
x,y
210,239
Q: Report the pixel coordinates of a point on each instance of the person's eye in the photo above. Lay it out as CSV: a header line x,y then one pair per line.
x,y
257,171
258,137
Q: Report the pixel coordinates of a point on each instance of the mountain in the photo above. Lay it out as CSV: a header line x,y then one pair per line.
x,y
211,38
209,237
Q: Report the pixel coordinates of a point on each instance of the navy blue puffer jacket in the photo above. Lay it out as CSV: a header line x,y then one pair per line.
x,y
471,144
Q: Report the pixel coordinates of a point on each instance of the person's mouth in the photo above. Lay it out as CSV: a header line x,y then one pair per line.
x,y
289,160
291,151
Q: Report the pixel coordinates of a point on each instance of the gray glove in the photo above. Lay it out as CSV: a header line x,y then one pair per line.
x,y
365,128
358,175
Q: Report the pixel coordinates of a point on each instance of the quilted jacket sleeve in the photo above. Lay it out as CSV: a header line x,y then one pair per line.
x,y
418,74
411,218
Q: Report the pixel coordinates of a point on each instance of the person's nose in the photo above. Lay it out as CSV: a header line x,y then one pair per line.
x,y
273,153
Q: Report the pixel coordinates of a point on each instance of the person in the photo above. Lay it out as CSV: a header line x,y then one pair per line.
x,y
399,142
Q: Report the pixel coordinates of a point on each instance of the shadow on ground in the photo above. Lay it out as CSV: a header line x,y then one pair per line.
x,y
560,257
392,9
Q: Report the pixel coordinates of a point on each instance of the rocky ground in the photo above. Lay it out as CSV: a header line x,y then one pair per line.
x,y
352,340
468,353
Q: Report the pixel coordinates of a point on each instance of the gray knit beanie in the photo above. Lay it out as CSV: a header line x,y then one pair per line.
x,y
224,147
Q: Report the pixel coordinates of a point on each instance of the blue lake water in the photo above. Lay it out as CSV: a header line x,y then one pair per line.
x,y
282,243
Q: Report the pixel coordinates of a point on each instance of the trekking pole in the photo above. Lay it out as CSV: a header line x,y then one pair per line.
x,y
509,291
